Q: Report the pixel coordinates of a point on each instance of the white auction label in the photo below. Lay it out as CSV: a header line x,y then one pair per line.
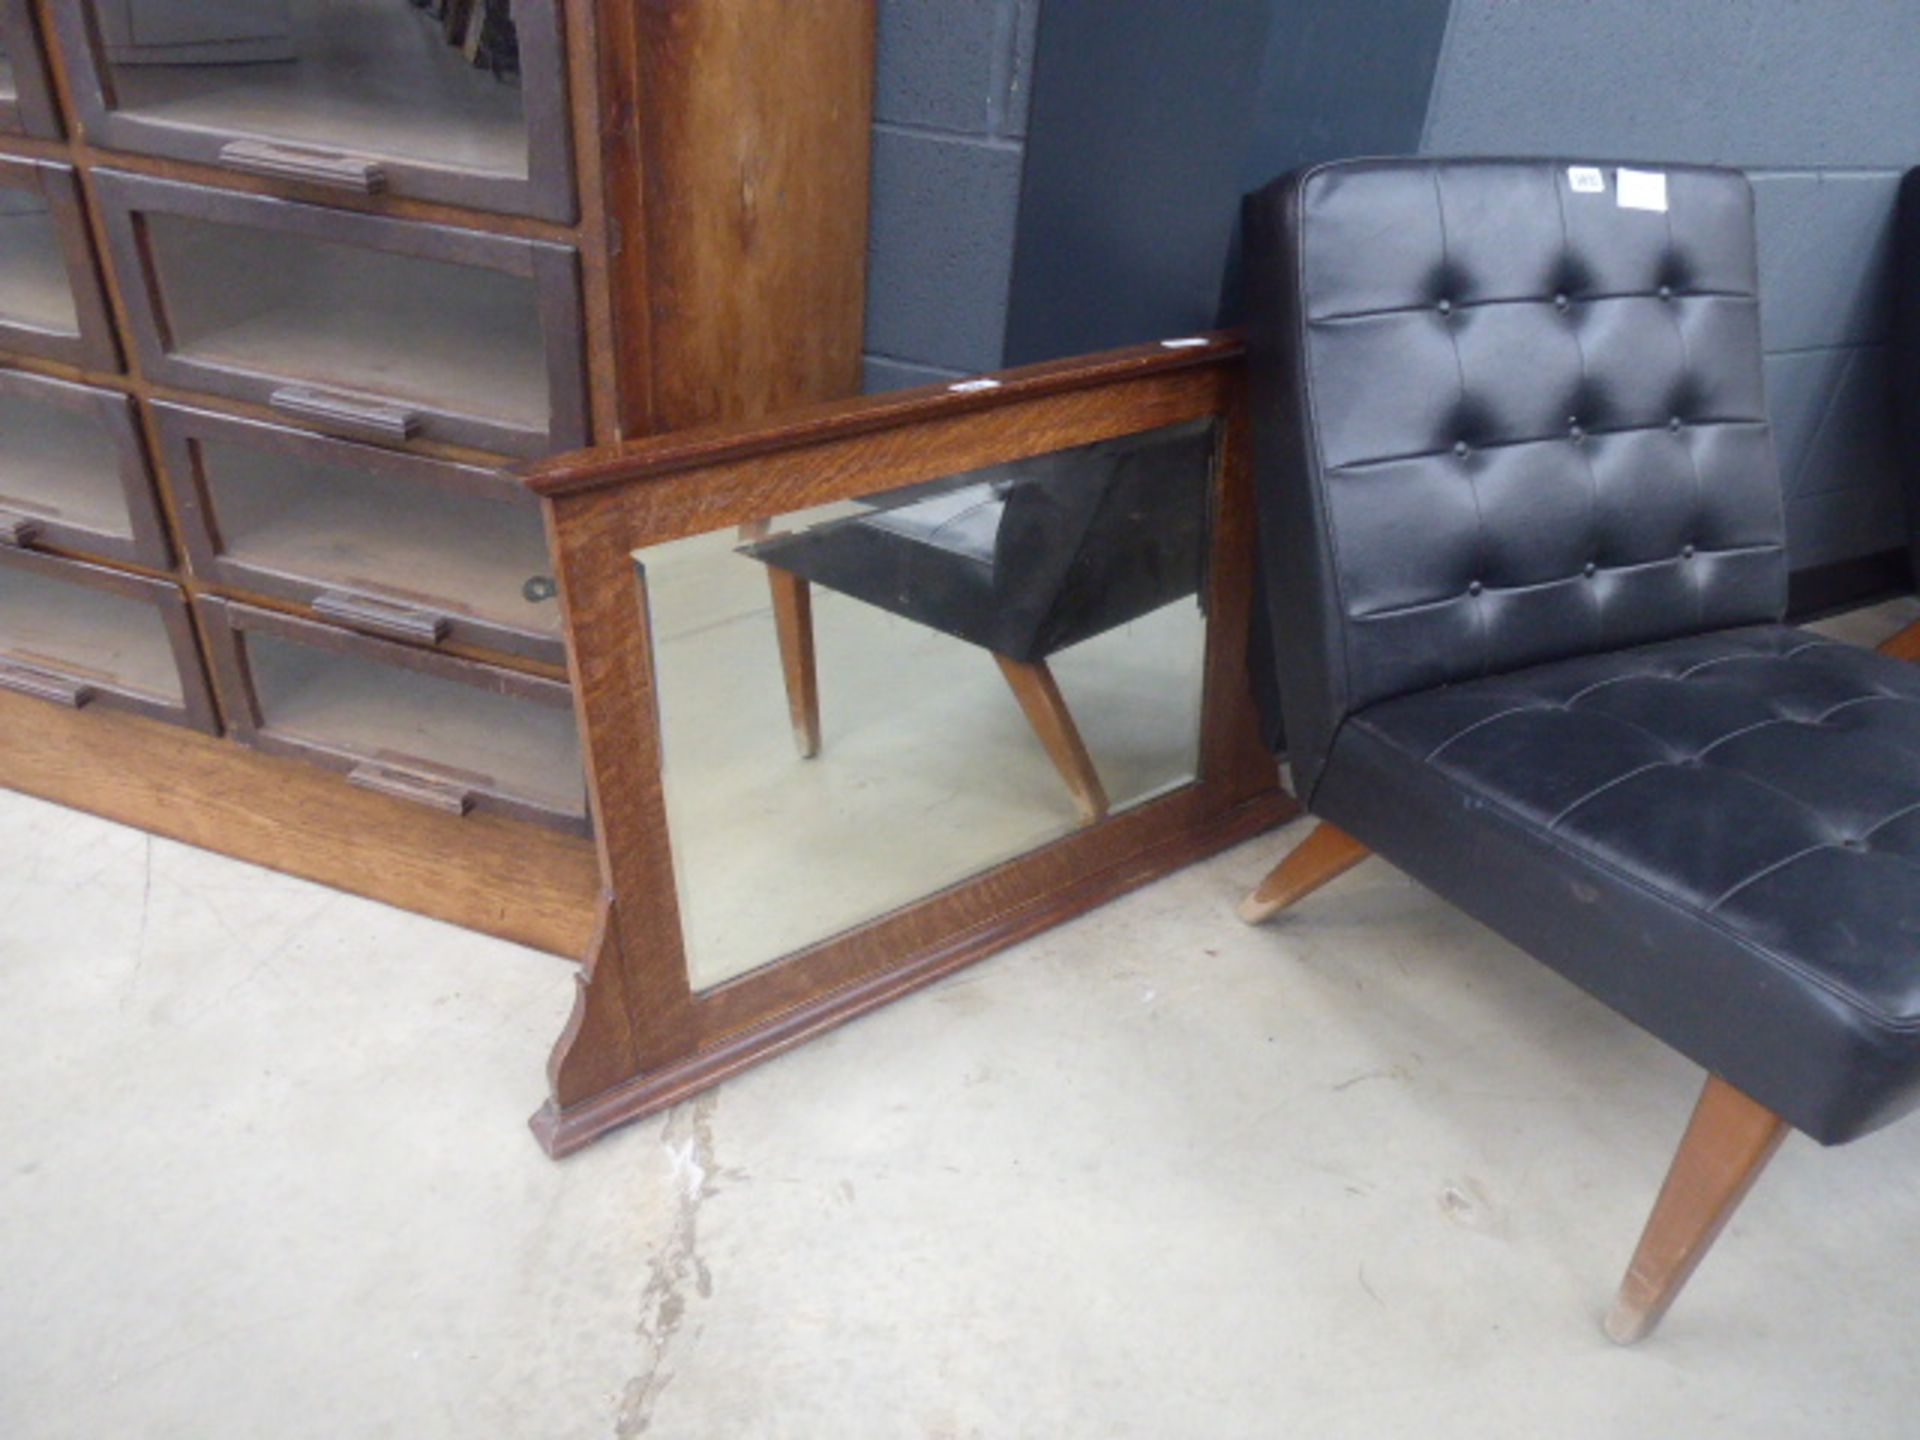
x,y
1640,189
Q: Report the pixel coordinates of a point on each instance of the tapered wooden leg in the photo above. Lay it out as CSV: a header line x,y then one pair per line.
x,y
793,622
1905,645
1046,711
1728,1143
1326,854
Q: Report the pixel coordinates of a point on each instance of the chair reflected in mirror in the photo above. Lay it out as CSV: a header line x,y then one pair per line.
x,y
1021,560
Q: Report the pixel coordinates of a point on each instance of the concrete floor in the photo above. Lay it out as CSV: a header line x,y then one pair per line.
x,y
1367,1172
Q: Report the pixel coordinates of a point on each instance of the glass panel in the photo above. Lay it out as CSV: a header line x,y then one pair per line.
x,y
1002,656
457,337
351,703
372,77
34,289
62,464
335,525
87,633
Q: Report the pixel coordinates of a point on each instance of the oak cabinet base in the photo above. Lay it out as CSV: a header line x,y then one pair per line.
x,y
520,882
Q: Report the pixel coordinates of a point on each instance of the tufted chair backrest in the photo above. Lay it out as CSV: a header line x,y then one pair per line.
x,y
1507,411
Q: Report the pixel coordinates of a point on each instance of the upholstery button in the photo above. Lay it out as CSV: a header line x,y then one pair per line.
x,y
1576,432
1474,587
1561,303
1673,423
1589,569
1445,307
1850,843
1460,448
1686,552
1666,292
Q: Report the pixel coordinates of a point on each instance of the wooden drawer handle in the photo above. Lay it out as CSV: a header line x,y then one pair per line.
x,y
446,796
43,686
381,617
17,530
384,419
294,162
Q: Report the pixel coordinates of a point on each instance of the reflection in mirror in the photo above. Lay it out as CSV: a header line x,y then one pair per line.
x,y
432,83
865,703
34,289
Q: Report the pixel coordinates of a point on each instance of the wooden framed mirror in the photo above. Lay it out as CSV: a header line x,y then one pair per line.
x,y
884,686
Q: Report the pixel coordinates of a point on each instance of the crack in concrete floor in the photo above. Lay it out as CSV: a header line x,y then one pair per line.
x,y
688,1137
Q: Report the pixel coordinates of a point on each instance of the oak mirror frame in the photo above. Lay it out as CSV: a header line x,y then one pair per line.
x,y
643,1035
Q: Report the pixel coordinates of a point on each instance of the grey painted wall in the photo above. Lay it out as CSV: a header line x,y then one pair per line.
x,y
950,121
1820,102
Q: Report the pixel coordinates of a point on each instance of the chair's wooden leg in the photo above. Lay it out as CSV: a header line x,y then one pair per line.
x,y
1326,854
793,622
1046,711
1905,645
1728,1143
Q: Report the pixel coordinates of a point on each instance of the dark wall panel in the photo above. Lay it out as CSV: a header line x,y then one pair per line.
x,y
1152,117
1133,166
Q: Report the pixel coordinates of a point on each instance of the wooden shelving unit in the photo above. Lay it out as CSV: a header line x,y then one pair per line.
x,y
276,327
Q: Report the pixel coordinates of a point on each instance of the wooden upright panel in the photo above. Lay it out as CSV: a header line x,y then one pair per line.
x,y
748,177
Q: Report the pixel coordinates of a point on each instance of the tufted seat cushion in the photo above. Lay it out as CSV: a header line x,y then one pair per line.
x,y
1718,835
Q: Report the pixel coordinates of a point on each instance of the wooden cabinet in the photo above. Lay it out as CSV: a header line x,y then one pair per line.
x,y
289,289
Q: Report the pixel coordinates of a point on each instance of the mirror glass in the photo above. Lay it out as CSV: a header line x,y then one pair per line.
x,y
864,703
431,82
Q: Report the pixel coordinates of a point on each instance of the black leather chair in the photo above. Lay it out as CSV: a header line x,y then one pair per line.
x,y
1523,532
1023,560
1905,355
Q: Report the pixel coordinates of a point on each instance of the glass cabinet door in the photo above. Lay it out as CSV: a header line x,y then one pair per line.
x,y
384,329
397,545
26,101
51,304
454,735
462,102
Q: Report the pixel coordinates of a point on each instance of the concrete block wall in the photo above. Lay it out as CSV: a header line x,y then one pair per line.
x,y
949,134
